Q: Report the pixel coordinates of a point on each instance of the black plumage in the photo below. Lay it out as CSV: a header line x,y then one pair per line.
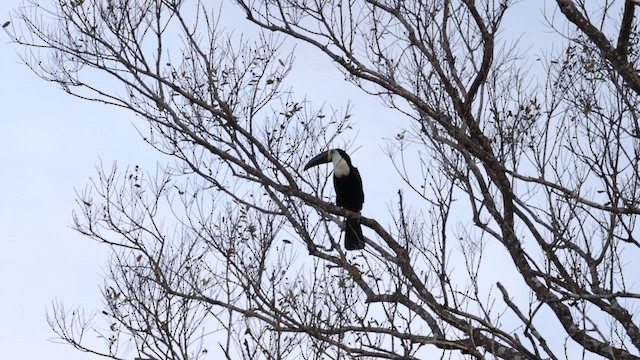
x,y
349,194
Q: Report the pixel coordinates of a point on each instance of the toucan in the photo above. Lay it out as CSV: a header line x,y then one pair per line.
x,y
349,195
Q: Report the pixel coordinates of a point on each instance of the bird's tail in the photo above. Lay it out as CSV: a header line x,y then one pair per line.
x,y
353,239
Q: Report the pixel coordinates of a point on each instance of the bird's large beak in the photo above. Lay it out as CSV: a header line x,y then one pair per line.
x,y
321,158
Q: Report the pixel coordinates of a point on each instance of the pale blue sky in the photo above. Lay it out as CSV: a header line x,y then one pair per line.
x,y
50,145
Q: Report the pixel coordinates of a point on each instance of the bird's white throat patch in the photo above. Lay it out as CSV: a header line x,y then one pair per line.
x,y
340,166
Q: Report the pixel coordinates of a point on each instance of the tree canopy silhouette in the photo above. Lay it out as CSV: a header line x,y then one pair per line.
x,y
515,236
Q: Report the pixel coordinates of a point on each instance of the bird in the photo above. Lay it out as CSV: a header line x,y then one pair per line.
x,y
349,194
